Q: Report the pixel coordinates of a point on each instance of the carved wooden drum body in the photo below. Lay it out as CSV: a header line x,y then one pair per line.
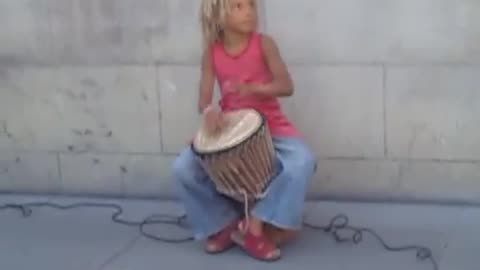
x,y
239,159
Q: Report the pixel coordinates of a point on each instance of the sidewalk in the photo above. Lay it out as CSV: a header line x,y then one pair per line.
x,y
86,239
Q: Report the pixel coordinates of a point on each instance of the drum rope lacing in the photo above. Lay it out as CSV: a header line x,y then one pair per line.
x,y
246,207
338,226
246,210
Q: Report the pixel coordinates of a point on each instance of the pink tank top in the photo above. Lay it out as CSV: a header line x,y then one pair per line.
x,y
249,67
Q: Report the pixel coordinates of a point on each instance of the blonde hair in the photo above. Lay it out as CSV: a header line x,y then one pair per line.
x,y
212,19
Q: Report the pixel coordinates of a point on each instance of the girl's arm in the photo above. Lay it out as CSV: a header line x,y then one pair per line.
x,y
207,82
282,84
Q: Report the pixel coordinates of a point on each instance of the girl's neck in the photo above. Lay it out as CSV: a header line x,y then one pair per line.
x,y
233,40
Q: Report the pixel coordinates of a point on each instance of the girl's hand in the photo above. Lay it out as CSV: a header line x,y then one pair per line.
x,y
214,120
257,90
249,89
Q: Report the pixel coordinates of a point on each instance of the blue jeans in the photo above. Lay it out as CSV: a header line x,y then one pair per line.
x,y
208,212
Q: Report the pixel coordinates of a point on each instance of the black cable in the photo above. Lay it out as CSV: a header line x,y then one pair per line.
x,y
338,226
179,221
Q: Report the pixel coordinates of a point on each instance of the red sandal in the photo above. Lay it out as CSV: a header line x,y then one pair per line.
x,y
221,241
258,247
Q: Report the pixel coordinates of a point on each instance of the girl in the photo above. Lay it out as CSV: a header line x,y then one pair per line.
x,y
251,74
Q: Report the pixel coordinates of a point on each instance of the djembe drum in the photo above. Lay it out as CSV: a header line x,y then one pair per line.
x,y
240,158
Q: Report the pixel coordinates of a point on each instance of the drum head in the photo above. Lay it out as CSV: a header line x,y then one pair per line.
x,y
241,124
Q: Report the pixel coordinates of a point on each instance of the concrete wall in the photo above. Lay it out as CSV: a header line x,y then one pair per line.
x,y
97,96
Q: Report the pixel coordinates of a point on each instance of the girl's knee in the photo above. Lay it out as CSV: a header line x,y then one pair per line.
x,y
304,160
185,166
301,166
298,157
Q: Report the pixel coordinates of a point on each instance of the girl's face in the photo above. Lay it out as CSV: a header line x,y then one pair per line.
x,y
242,16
